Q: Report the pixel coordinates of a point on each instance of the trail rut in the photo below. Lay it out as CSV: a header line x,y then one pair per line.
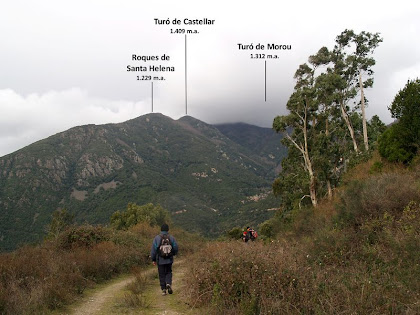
x,y
99,302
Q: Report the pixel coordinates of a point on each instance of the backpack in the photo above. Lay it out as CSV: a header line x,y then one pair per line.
x,y
253,235
245,236
165,248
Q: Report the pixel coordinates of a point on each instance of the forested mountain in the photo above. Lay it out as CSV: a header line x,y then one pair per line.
x,y
208,180
260,141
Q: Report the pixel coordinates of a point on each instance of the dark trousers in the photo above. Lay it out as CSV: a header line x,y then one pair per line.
x,y
165,275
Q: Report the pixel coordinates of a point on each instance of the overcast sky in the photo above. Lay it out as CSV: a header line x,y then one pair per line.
x,y
64,63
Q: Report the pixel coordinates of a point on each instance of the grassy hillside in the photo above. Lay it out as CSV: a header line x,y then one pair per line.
x,y
262,141
357,254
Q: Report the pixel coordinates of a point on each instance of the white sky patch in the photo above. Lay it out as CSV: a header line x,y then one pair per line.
x,y
26,119
410,73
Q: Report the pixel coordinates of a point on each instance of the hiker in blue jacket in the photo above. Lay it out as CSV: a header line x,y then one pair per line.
x,y
164,248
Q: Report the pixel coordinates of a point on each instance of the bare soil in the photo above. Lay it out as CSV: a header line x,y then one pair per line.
x,y
107,299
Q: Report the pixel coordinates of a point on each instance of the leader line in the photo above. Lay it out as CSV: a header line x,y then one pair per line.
x,y
265,80
152,96
186,83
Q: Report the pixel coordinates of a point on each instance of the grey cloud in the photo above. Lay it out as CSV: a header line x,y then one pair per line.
x,y
69,59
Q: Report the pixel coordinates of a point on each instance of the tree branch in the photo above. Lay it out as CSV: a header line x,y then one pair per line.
x,y
295,144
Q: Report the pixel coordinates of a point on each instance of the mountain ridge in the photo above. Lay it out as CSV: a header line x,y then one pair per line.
x,y
190,167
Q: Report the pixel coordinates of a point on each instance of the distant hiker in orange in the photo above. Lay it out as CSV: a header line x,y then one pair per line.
x,y
249,234
164,248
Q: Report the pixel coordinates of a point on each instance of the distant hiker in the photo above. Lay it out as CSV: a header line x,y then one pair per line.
x,y
249,234
164,248
245,236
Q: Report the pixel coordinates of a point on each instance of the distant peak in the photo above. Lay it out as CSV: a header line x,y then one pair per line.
x,y
150,116
154,115
190,119
187,117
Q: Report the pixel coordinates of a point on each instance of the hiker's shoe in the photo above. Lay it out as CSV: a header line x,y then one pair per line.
x,y
164,292
168,286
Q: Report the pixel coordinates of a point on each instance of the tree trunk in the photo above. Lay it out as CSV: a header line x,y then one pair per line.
x,y
349,126
312,191
312,186
328,180
327,132
330,193
362,104
308,162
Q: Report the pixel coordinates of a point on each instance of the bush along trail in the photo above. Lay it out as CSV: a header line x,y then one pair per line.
x,y
137,294
48,277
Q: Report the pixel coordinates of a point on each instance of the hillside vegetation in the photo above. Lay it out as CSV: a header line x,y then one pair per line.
x,y
42,278
206,180
347,237
356,254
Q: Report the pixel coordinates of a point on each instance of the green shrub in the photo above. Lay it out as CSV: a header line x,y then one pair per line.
x,y
379,194
267,229
153,215
235,233
60,220
395,145
82,236
401,141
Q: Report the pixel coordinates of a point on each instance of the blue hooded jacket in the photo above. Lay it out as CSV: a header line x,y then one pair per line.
x,y
155,249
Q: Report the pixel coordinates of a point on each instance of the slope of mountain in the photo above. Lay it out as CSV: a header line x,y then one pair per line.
x,y
205,179
260,141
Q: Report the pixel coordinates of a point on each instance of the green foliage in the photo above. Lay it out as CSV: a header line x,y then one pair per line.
x,y
266,229
303,108
375,129
406,105
322,130
292,182
153,215
401,141
85,236
235,233
60,220
395,144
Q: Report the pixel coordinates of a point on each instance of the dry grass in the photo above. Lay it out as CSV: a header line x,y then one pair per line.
x,y
374,165
293,278
37,279
358,254
135,298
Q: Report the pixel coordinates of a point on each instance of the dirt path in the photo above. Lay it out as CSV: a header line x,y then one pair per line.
x,y
169,304
108,299
95,303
